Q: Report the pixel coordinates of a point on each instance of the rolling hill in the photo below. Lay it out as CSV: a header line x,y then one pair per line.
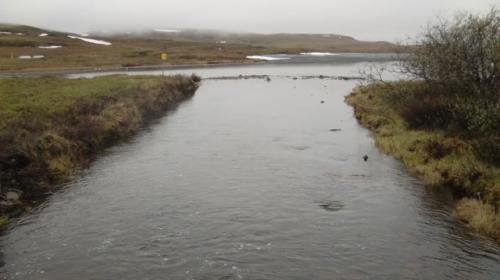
x,y
24,48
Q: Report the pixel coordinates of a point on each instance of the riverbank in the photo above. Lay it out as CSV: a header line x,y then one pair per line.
x,y
118,69
340,58
52,127
438,157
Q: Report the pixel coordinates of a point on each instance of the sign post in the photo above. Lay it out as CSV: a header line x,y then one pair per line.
x,y
164,57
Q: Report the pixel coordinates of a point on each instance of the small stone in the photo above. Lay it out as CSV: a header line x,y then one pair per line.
x,y
12,196
365,158
6,203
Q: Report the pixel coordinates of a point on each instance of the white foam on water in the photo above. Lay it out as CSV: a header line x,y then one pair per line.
x,y
268,58
89,40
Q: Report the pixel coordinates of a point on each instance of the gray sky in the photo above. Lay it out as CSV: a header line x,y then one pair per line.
x,y
364,19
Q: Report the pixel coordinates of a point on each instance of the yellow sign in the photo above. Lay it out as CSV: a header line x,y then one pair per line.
x,y
164,56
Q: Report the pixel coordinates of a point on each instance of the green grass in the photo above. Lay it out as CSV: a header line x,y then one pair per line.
x,y
52,127
48,96
4,221
436,156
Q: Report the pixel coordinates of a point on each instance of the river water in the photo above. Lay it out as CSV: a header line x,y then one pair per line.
x,y
246,181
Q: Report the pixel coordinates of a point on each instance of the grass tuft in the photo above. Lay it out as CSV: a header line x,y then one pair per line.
x,y
480,216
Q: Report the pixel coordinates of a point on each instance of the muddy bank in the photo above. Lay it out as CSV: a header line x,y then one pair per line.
x,y
53,127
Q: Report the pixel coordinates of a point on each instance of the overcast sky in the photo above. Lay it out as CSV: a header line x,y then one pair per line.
x,y
364,19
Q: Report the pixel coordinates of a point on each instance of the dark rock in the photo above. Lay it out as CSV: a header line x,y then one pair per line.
x,y
322,101
335,129
331,206
41,195
16,212
365,158
16,161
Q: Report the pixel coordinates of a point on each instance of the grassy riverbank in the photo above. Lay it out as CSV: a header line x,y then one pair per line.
x,y
440,157
52,127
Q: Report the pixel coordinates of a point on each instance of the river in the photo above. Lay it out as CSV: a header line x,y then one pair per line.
x,y
247,181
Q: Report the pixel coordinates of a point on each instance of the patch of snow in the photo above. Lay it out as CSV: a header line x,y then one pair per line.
x,y
5,33
43,35
89,40
166,30
38,56
319,53
84,35
50,47
20,34
268,58
222,42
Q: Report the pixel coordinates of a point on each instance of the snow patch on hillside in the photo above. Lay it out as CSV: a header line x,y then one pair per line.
x,y
89,40
267,58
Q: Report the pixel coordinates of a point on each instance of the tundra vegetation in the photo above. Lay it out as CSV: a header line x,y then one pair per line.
x,y
129,49
52,127
444,121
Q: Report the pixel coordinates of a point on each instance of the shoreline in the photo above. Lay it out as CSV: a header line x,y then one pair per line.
x,y
436,158
343,57
41,148
120,69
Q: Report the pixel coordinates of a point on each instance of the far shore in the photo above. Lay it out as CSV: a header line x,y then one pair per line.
x,y
345,57
69,71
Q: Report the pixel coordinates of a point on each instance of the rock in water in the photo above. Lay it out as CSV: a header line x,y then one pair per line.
x,y
365,158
